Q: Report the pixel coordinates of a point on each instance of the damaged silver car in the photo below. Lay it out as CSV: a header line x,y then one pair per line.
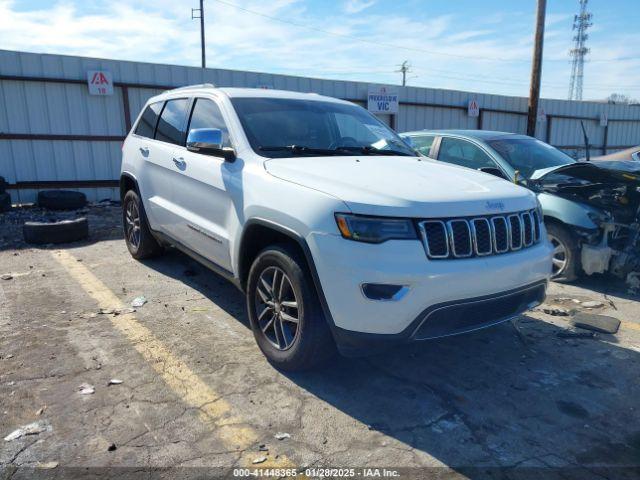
x,y
592,213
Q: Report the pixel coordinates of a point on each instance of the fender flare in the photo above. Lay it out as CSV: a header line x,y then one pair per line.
x,y
302,243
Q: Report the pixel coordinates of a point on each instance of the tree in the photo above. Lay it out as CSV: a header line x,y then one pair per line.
x,y
621,98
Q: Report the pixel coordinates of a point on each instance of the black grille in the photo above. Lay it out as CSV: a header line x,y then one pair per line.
x,y
482,232
436,235
501,234
461,237
527,229
474,314
516,232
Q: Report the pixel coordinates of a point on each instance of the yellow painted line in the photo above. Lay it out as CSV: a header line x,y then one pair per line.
x,y
630,326
213,410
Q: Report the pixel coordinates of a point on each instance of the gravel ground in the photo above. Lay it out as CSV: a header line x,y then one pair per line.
x,y
536,398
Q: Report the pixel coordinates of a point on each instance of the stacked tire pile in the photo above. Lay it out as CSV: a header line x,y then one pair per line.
x,y
62,231
5,198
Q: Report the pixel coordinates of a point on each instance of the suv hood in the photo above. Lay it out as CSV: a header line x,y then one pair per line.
x,y
403,186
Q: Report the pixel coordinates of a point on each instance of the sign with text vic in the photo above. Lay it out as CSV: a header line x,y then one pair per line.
x,y
100,82
382,100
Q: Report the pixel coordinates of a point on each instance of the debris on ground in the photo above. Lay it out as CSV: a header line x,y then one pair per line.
x,y
596,323
263,447
556,311
112,447
572,333
138,302
6,276
30,429
46,465
114,381
41,410
281,436
86,389
592,304
114,311
259,460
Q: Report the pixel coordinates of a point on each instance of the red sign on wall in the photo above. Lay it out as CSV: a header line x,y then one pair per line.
x,y
100,82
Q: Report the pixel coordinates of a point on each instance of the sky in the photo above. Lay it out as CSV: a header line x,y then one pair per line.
x,y
472,45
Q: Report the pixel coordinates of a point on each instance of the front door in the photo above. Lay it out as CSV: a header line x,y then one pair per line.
x,y
201,193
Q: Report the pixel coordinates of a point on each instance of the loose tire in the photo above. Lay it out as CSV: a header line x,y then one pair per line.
x,y
284,311
61,199
137,234
64,231
566,254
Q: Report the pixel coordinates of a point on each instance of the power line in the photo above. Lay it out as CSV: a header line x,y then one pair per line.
x,y
405,67
391,45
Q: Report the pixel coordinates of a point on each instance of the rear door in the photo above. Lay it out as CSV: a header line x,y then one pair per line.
x,y
153,178
202,189
162,163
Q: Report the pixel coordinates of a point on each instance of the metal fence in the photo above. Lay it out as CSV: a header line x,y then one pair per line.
x,y
53,134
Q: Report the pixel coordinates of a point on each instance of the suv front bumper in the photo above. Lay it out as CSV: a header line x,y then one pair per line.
x,y
445,297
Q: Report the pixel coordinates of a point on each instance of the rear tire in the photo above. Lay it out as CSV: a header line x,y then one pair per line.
x,y
288,345
566,255
137,235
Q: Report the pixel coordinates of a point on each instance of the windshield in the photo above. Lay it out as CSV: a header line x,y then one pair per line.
x,y
279,127
527,155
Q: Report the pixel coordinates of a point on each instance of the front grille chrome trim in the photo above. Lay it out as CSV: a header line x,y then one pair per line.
x,y
425,238
474,236
452,238
456,246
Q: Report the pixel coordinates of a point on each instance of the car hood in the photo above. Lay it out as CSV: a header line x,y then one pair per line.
x,y
597,172
403,186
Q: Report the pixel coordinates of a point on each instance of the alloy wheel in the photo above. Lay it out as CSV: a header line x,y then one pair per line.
x,y
276,308
132,224
560,256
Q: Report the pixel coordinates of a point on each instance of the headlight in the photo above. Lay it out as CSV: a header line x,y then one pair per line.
x,y
375,229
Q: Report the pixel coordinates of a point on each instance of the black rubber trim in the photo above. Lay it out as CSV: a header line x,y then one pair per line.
x,y
353,343
223,272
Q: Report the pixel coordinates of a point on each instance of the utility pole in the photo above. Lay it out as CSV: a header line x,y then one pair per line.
x,y
200,15
581,22
536,69
405,67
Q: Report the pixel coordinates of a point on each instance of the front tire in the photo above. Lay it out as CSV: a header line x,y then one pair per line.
x,y
284,311
566,253
137,234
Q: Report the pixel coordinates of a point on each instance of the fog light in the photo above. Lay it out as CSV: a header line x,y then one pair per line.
x,y
384,291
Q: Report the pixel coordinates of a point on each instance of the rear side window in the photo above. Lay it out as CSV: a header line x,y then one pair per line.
x,y
206,114
463,153
147,124
172,121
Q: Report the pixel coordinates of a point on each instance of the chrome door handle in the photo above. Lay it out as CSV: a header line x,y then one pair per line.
x,y
144,151
180,163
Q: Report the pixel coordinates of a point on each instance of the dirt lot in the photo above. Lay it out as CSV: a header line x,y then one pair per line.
x,y
536,399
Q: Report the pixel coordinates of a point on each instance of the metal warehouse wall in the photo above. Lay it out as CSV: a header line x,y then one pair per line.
x,y
53,133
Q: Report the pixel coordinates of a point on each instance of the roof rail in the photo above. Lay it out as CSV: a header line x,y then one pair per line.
x,y
190,87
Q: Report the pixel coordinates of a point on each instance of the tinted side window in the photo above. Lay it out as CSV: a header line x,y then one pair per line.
x,y
171,125
147,124
463,153
423,143
206,114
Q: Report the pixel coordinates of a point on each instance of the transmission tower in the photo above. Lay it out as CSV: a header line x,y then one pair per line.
x,y
581,23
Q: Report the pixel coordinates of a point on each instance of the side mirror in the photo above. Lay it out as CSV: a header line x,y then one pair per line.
x,y
493,171
208,141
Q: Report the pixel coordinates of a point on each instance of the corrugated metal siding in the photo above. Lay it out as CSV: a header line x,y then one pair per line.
x,y
68,109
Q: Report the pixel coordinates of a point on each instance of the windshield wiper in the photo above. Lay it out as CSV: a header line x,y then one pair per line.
x,y
369,150
302,149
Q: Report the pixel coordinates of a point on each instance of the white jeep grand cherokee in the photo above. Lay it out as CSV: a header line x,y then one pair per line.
x,y
336,230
